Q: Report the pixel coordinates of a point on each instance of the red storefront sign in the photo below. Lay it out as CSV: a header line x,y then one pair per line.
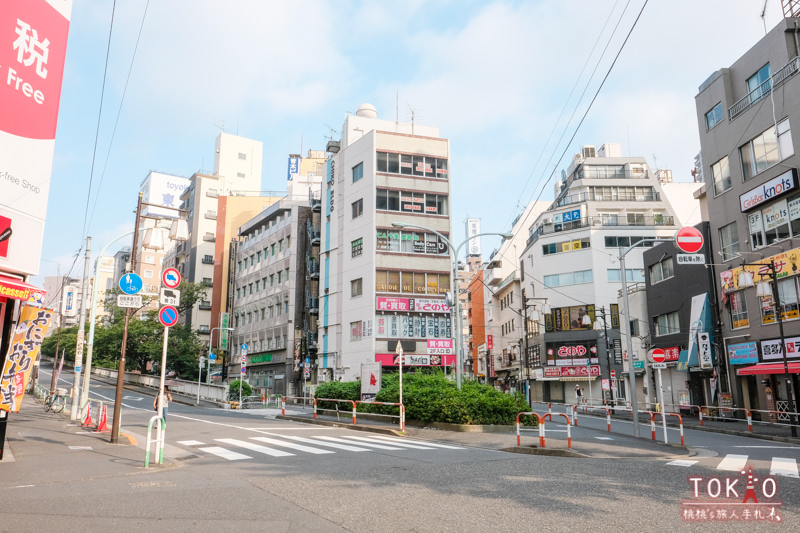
x,y
672,354
571,371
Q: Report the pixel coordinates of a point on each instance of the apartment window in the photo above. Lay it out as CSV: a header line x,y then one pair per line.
x,y
272,280
766,150
257,282
771,224
280,245
610,220
358,172
416,165
150,260
272,249
356,287
738,310
279,277
207,282
251,288
263,312
148,273
410,202
238,293
258,257
662,270
565,246
242,156
568,278
757,84
288,242
721,174
667,324
285,310
714,116
356,247
729,241
631,275
270,311
636,219
358,208
355,330
788,291
240,175
624,242
286,275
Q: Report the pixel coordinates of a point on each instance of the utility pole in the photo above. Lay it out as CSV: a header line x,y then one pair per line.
x,y
76,383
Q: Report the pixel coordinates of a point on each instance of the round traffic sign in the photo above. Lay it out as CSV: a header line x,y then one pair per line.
x,y
658,355
130,283
168,316
689,240
171,278
613,373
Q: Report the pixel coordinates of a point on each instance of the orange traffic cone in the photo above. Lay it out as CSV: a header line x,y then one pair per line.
x,y
88,420
102,425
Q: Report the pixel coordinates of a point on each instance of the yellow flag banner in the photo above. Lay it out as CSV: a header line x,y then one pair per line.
x,y
28,337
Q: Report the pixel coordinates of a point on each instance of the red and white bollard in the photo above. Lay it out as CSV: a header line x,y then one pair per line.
x,y
749,421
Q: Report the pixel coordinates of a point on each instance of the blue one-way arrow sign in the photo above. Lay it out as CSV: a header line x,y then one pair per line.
x,y
130,283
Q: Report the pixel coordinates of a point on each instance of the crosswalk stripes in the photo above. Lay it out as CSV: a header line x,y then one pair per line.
x,y
779,466
314,445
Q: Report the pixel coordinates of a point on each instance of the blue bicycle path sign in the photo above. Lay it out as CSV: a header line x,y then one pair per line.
x,y
130,283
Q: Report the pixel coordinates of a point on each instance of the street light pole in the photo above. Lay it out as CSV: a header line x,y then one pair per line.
x,y
456,304
526,329
629,341
76,379
208,361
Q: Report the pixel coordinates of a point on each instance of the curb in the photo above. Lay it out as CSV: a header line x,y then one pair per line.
x,y
331,423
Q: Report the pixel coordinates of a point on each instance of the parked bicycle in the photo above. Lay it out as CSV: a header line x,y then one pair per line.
x,y
56,402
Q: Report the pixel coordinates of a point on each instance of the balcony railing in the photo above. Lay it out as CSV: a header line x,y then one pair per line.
x,y
205,306
209,237
212,193
614,197
315,200
312,267
789,70
620,221
313,233
211,215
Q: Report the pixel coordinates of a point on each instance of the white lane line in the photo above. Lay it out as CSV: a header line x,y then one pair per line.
x,y
770,447
401,444
367,444
319,442
225,454
733,462
255,447
682,462
424,443
291,445
784,466
190,443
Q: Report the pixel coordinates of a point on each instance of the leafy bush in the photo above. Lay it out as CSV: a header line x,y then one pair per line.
x,y
431,397
233,390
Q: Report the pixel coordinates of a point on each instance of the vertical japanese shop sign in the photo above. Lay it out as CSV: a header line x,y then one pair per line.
x,y
22,353
33,45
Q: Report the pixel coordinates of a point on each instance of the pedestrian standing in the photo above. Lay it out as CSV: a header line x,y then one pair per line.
x,y
578,394
165,397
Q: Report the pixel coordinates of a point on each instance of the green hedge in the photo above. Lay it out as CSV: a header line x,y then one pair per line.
x,y
431,397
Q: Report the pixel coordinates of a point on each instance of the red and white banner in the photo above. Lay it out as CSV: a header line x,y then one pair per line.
x,y
33,46
410,359
440,346
571,371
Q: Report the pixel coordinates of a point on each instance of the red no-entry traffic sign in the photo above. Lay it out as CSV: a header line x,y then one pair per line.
x,y
168,316
689,240
658,355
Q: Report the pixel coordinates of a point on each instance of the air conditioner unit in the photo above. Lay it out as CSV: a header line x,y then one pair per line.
x,y
547,221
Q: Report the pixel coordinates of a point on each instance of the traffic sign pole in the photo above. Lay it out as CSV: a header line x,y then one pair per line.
x,y
663,408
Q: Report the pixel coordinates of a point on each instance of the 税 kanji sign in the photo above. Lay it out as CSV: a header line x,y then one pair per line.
x,y
689,240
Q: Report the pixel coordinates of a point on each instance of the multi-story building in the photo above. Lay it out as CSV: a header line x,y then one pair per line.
x,y
237,172
750,157
505,308
603,203
381,283
269,281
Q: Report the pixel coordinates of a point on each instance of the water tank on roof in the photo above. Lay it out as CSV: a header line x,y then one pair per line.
x,y
367,111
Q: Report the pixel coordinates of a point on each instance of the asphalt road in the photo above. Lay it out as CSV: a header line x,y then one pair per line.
x,y
232,470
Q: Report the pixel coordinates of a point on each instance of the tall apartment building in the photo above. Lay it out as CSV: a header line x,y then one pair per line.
x,y
604,202
382,284
750,157
237,172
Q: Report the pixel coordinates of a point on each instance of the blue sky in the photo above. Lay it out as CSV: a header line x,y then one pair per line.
x,y
496,78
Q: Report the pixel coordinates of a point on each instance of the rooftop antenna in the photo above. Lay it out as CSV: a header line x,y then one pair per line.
x,y
397,108
413,116
220,124
331,132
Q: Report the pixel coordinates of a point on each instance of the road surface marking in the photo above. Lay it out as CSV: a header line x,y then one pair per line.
x,y
292,446
425,443
784,466
604,438
682,462
225,454
255,447
402,444
733,462
190,443
770,447
318,440
367,444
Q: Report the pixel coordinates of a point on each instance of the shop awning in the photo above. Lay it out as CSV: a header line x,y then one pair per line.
x,y
19,290
769,368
